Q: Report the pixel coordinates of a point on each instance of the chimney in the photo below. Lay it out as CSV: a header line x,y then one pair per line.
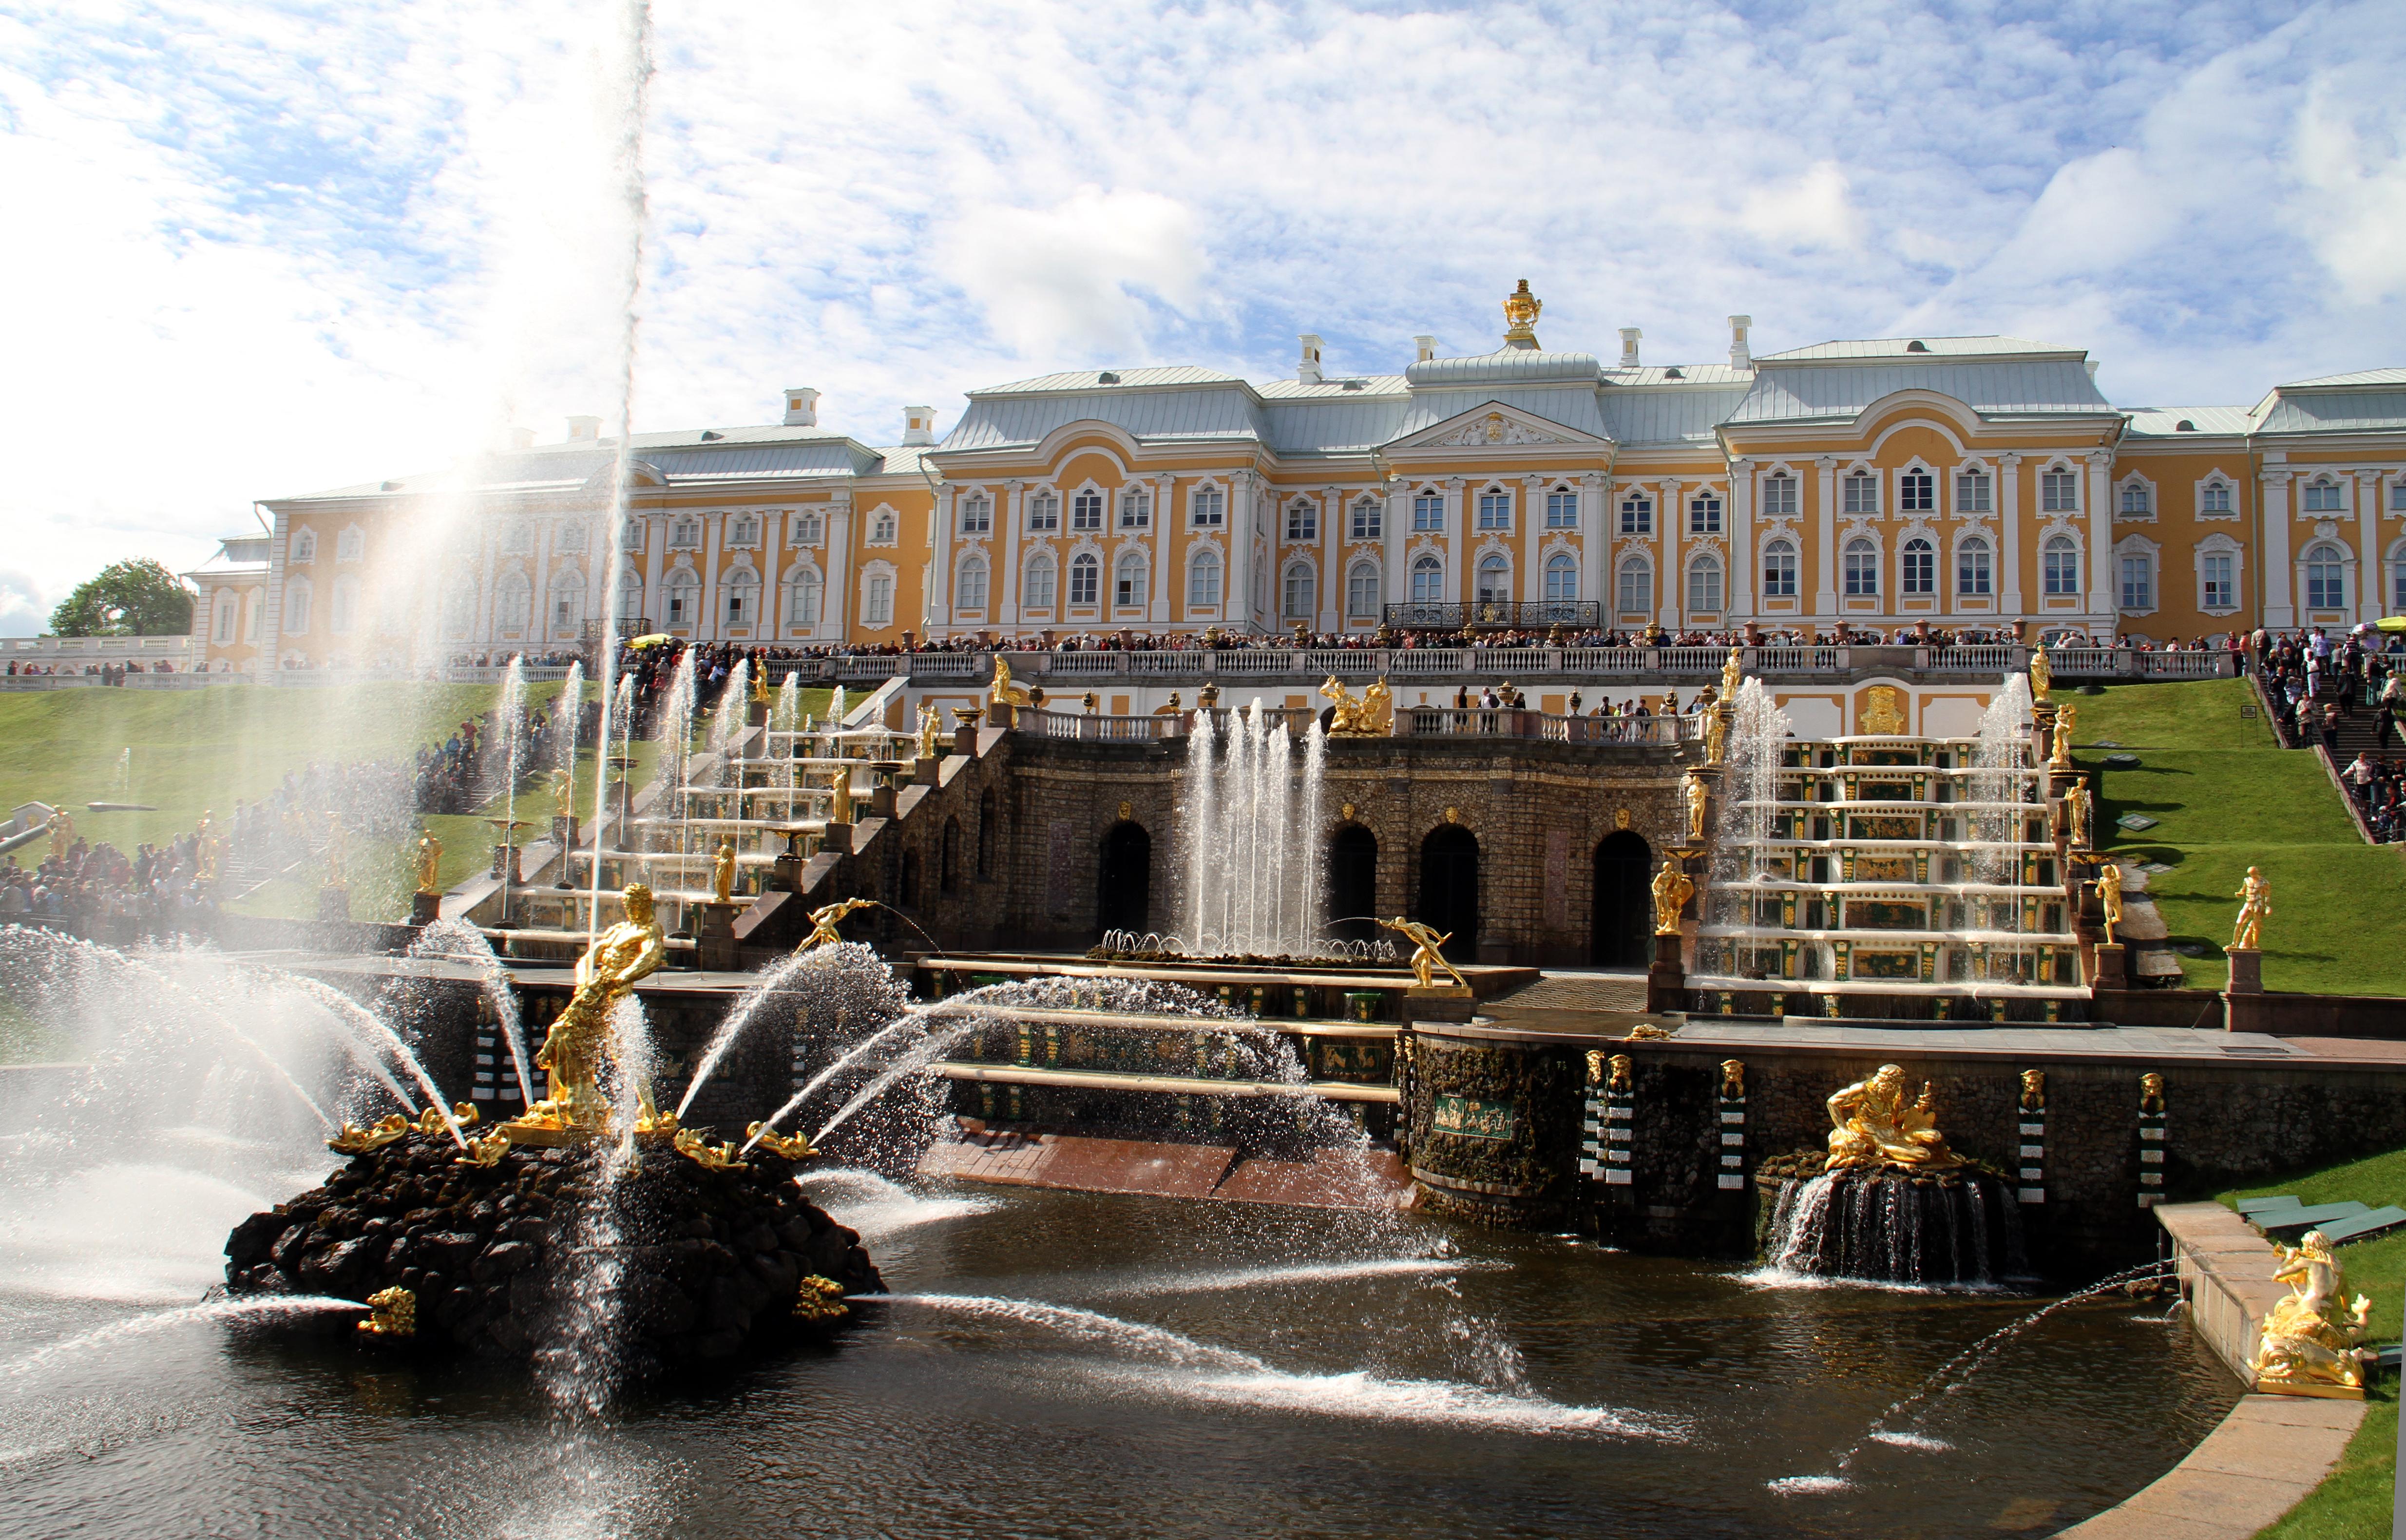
x,y
1740,356
2091,364
802,408
586,429
1425,347
1629,335
521,438
1308,368
918,425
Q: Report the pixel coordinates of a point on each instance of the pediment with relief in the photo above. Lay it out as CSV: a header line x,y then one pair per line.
x,y
1494,426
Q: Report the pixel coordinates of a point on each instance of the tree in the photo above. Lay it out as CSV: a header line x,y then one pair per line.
x,y
126,598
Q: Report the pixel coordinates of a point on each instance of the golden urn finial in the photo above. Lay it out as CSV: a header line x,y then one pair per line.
x,y
1520,309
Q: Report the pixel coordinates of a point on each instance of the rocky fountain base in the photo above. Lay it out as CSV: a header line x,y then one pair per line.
x,y
691,1262
1890,1224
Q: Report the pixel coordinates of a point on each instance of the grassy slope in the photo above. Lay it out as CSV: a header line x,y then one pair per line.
x,y
2226,796
2354,1503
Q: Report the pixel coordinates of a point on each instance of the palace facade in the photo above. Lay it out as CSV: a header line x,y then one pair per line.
x,y
1963,481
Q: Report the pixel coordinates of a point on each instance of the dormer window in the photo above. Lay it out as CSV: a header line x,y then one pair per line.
x,y
2322,496
1917,492
977,514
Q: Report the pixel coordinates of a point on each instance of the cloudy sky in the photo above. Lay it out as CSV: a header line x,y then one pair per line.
x,y
257,249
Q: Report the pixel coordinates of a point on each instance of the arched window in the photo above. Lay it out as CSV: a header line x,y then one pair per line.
x,y
2325,578
1300,593
2134,498
1036,590
1362,591
1705,585
567,601
2218,578
1972,568
1634,586
1918,570
1129,580
1562,579
513,603
1779,565
805,591
630,595
1917,492
743,595
970,593
685,597
2059,566
1428,581
1862,567
1203,576
296,608
1495,579
2137,570
1085,576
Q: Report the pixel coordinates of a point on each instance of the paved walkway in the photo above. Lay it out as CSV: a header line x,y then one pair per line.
x,y
2268,1453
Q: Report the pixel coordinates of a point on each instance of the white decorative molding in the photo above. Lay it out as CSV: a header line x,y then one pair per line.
x,y
1495,428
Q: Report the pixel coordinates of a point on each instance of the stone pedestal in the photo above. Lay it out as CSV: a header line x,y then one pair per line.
x,y
2243,1003
505,865
787,876
2112,967
424,908
965,737
756,713
2246,971
333,903
924,770
563,839
881,799
837,839
1667,980
713,936
1442,1002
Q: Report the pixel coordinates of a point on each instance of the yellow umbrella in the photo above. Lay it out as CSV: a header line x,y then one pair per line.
x,y
2391,623
658,639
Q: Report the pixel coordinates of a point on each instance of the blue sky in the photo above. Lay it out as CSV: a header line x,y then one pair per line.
x,y
278,246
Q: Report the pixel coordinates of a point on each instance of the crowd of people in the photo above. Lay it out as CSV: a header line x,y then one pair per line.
x,y
2313,683
109,673
2377,787
98,891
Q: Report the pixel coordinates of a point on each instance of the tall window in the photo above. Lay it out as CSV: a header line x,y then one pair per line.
x,y
1862,567
2138,581
1043,513
1428,511
567,601
1302,519
1972,494
1779,570
1203,576
1128,581
458,611
1562,579
1863,493
630,595
1135,509
1368,518
1037,591
2398,496
2134,498
1301,594
1428,581
226,608
970,593
1779,493
2058,492
1562,509
743,595
1637,514
804,590
1087,511
1494,580
1210,507
513,603
1705,513
304,545
1918,570
742,529
1917,492
2059,561
1972,568
2322,496
1085,578
1705,586
1362,591
2214,498
977,514
2220,590
1635,586
296,608
1494,510
685,597
2326,580
877,609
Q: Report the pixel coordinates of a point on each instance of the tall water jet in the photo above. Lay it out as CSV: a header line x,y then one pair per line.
x,y
1250,842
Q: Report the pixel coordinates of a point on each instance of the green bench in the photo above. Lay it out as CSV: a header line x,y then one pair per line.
x,y
2250,1208
2289,1223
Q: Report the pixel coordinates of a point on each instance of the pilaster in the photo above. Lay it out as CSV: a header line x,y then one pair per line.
x,y
2009,530
940,563
1740,598
1825,554
1164,543
2368,561
2279,582
2101,540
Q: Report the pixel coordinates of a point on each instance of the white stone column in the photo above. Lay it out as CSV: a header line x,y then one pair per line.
x,y
1457,539
1244,513
1003,580
1672,523
1164,543
1529,537
1825,527
481,632
705,625
2279,591
835,601
2009,536
2368,561
1740,598
940,563
1395,588
1332,558
2099,493
1595,543
547,533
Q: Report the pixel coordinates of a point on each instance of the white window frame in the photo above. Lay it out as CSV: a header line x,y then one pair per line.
x,y
1859,491
734,587
1428,511
1087,509
1039,582
1634,574
2059,580
805,595
1704,583
1859,564
1131,580
977,514
683,591
1205,578
973,586
1494,510
2059,490
1206,508
1781,567
1428,579
1637,514
1298,591
1562,578
1136,507
1302,520
1780,496
1369,520
1044,512
1362,594
1492,562
1705,512
1917,550
1975,568
1974,490
1563,509
2324,495
1086,570
1916,489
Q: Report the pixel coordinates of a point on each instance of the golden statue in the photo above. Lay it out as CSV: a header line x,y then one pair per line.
x,y
1644,1032
711,1157
839,810
1001,691
354,1140
2078,810
1733,674
207,849
2033,1089
794,1148
431,1121
2151,1091
1673,888
1733,1079
605,975
1874,1125
722,872
1428,959
563,795
2042,673
930,731
395,1313
1520,310
1699,798
2109,897
760,684
2065,716
1717,725
2255,897
430,862
820,1299
1883,713
2309,1341
62,827
1595,1067
824,921
1619,1077
486,1150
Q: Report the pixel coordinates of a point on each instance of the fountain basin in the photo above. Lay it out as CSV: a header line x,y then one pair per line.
x,y
1893,1225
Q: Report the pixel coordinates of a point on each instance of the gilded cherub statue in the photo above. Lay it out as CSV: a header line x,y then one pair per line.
x,y
2109,897
1673,888
722,872
2255,897
2310,1338
760,684
1871,1124
580,1035
1428,958
1717,725
824,921
430,862
1698,796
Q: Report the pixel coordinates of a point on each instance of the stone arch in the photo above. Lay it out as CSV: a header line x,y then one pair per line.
x,y
1449,896
1619,924
1124,881
1352,884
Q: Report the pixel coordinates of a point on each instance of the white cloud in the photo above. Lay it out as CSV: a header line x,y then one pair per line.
x,y
1072,278
1811,211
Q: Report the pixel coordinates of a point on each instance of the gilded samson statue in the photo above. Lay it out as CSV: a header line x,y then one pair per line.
x,y
607,974
1428,958
1874,1125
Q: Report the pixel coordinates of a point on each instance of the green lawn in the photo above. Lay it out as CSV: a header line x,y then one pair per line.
x,y
2226,796
2354,1503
